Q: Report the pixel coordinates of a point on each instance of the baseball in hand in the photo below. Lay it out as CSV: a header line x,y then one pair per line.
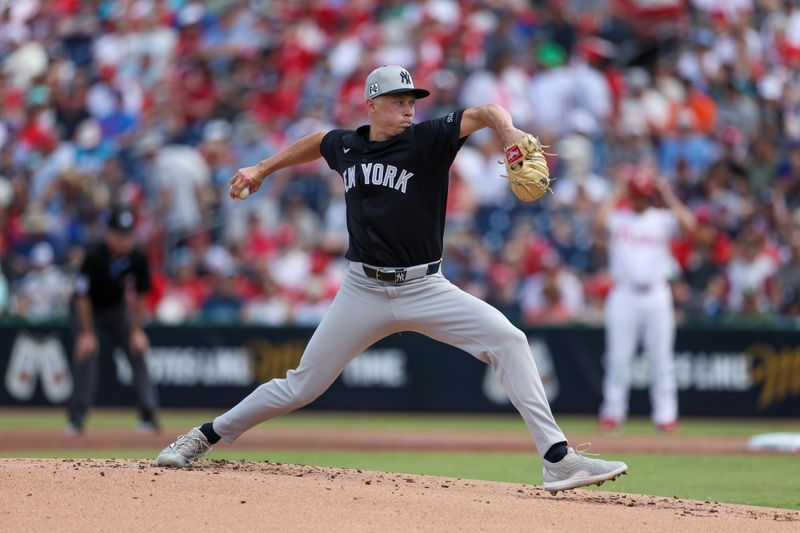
x,y
244,193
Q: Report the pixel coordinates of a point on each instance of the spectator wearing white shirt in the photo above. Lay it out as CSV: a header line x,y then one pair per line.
x,y
313,304
749,271
181,183
44,292
553,83
535,291
643,108
270,307
576,153
729,9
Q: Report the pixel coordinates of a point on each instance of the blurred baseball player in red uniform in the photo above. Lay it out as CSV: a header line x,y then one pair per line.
x,y
639,307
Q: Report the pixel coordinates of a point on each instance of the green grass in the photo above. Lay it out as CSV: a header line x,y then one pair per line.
x,y
751,480
770,481
179,420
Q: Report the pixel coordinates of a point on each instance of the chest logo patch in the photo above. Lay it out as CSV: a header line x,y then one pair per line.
x,y
345,150
377,174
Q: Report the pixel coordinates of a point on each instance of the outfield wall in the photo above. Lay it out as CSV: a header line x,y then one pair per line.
x,y
720,372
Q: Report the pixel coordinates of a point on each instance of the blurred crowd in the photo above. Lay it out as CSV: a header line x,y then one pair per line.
x,y
156,103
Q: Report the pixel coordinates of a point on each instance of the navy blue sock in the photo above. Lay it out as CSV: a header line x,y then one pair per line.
x,y
207,429
556,452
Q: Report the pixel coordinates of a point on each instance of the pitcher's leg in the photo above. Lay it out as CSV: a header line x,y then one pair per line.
x,y
444,312
622,329
659,346
358,317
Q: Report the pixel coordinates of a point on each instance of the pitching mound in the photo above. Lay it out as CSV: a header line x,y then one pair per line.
x,y
114,495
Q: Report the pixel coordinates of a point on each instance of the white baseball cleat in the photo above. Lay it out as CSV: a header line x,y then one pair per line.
x,y
184,450
578,470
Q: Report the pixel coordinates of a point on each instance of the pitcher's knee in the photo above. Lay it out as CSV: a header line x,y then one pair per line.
x,y
302,398
299,391
505,334
286,396
517,336
509,345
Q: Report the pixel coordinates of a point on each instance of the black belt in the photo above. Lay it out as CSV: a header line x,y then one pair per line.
x,y
397,275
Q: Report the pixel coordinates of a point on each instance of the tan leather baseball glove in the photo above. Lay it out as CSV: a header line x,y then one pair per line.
x,y
528,174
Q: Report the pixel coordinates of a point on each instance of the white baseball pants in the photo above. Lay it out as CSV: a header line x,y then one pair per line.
x,y
632,315
365,311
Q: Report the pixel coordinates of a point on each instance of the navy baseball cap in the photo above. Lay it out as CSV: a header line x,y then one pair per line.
x,y
121,220
391,79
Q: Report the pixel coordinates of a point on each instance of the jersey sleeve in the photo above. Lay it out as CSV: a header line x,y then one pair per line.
x,y
83,278
438,139
330,142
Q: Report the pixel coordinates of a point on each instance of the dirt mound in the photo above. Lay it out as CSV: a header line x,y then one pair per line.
x,y
114,495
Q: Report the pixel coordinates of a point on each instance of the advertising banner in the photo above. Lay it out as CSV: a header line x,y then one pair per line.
x,y
720,372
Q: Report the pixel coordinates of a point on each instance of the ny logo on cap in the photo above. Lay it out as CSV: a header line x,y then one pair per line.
x,y
373,89
405,77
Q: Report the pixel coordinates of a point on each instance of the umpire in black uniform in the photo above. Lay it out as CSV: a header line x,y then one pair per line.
x,y
109,291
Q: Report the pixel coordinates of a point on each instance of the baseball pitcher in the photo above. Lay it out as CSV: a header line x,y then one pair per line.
x,y
395,175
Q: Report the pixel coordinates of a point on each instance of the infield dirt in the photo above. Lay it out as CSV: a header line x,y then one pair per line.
x,y
123,495
45,495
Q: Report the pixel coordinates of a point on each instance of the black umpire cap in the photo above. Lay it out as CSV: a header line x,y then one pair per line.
x,y
121,220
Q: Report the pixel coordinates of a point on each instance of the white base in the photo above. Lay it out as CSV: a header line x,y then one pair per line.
x,y
775,442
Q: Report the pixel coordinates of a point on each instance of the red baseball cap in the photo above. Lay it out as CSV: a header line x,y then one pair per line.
x,y
641,184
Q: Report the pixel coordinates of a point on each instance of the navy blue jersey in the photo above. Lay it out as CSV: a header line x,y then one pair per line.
x,y
105,279
395,190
